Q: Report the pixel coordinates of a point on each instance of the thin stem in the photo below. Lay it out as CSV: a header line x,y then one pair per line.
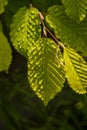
x,y
45,29
56,40
43,25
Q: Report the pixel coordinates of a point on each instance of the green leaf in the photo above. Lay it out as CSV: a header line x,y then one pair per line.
x,y
76,71
69,32
25,29
76,9
5,53
3,3
44,75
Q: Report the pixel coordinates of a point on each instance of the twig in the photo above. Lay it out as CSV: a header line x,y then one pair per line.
x,y
43,25
45,29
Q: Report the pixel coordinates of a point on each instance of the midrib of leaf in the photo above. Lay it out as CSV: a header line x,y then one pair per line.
x,y
48,67
46,78
45,64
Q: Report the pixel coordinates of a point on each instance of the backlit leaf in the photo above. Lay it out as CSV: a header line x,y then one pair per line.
x,y
25,29
76,71
45,76
68,31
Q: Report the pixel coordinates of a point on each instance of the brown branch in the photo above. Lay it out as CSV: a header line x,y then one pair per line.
x,y
45,29
55,39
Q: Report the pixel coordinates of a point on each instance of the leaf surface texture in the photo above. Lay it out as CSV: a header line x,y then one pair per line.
x,y
25,29
69,32
76,9
44,75
76,71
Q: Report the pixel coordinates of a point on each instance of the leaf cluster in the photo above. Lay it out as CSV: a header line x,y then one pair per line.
x,y
50,62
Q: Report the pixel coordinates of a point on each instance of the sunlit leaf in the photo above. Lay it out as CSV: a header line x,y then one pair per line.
x,y
76,71
69,32
45,76
25,29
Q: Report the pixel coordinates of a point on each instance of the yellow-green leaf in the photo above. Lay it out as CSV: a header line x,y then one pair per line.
x,y
45,76
25,29
76,71
5,53
68,31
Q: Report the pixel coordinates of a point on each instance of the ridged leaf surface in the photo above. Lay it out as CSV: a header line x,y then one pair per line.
x,y
75,9
44,75
76,71
3,3
5,53
25,29
69,32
